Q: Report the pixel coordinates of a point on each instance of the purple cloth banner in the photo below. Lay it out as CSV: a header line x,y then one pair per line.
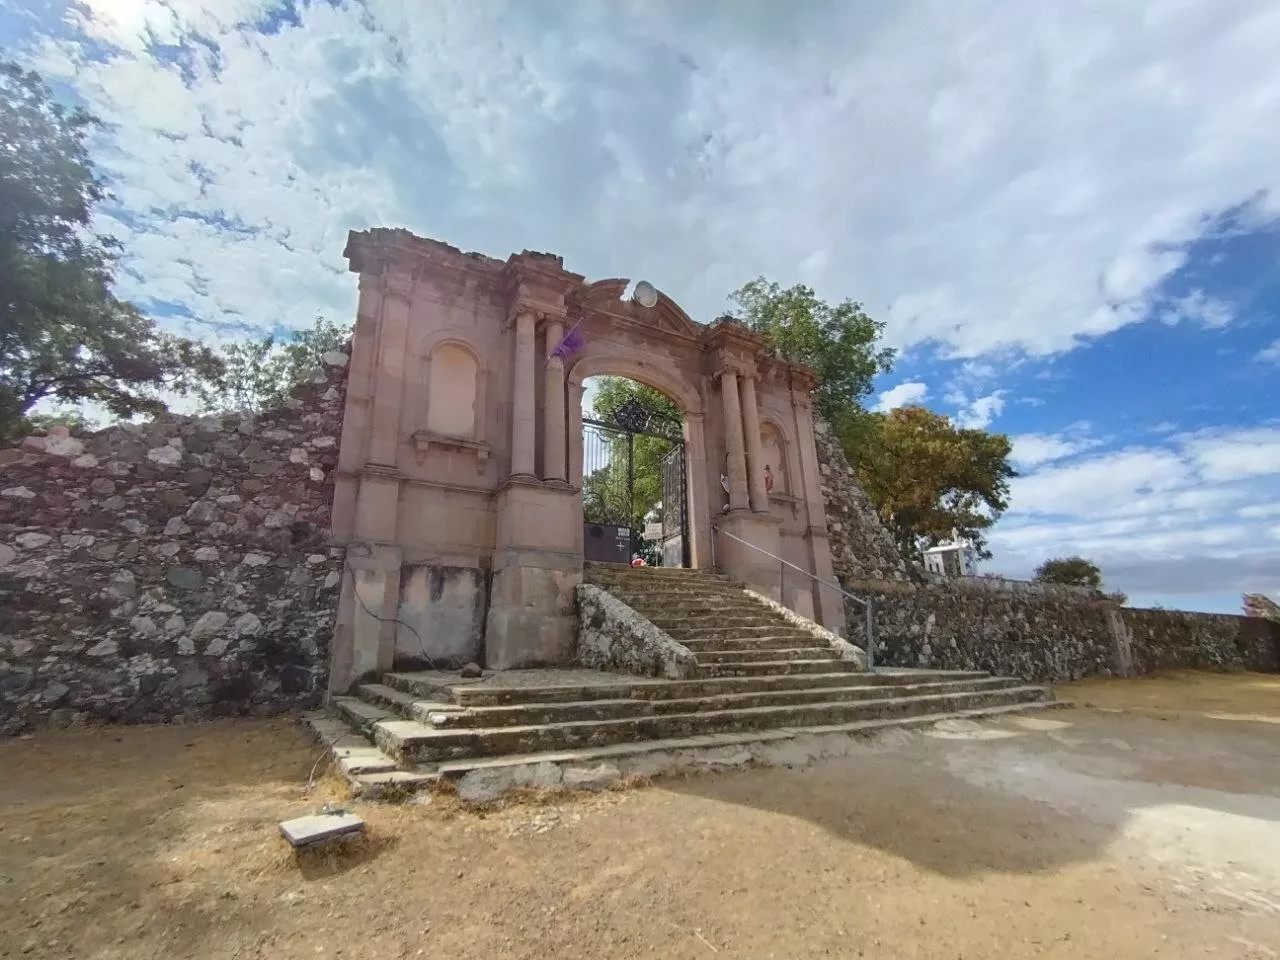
x,y
571,342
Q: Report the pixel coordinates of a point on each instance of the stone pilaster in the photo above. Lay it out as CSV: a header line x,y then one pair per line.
x,y
523,398
553,427
755,460
737,465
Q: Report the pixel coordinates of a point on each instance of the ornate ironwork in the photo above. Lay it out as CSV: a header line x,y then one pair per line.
x,y
632,416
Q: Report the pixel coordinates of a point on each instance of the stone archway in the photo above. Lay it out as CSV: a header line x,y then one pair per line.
x,y
466,530
688,400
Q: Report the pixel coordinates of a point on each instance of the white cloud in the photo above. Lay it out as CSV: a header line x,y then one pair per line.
x,y
1196,307
1235,454
695,146
1176,519
904,394
1033,449
978,414
1269,353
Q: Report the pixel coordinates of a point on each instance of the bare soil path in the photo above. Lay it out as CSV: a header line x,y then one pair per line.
x,y
1088,833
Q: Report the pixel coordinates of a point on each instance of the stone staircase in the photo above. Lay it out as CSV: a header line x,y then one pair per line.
x,y
760,677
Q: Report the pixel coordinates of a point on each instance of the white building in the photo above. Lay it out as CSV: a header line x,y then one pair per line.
x,y
954,558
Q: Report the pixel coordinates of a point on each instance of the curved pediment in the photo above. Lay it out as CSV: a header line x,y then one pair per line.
x,y
606,297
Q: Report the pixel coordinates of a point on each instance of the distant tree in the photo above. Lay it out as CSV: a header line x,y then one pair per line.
x,y
1071,571
837,342
928,477
64,335
258,374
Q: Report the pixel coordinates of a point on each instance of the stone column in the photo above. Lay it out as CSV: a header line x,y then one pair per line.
x,y
755,460
733,439
523,399
553,426
384,425
574,414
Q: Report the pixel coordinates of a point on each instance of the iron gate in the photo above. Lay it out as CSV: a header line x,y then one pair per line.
x,y
633,488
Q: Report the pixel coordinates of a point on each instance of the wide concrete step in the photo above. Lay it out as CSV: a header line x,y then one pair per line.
x,y
741,633
411,742
773,668
426,686
741,643
715,743
762,656
538,714
694,621
592,570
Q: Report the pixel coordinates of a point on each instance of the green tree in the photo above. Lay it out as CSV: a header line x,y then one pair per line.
x,y
64,335
927,477
1073,571
837,342
258,374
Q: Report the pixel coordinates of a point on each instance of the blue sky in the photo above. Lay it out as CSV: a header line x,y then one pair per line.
x,y
1067,214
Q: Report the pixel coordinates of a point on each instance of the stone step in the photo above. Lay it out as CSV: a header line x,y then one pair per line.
x,y
739,643
774,668
591,570
723,592
693,747
360,714
680,607
779,630
638,688
762,656
539,714
405,704
410,742
717,619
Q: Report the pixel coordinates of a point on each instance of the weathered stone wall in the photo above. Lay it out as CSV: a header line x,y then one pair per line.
x,y
1049,633
174,569
612,636
1175,639
1037,634
861,548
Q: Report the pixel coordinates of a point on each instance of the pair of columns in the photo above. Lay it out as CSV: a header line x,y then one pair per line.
x,y
524,403
742,417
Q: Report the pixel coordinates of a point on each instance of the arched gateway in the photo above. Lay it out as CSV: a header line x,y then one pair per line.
x,y
459,481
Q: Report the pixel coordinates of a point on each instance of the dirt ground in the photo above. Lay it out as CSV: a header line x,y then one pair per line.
x,y
1148,827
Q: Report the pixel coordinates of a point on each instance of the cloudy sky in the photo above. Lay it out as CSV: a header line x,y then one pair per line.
x,y
1068,214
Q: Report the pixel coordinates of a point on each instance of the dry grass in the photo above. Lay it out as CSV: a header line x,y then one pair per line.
x,y
1186,694
162,842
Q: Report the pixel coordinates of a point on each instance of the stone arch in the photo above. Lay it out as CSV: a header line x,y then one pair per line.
x,y
687,398
685,395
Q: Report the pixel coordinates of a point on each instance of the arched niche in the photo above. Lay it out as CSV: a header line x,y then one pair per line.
x,y
452,407
774,454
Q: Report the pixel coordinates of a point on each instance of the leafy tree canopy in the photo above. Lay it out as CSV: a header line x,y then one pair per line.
x,y
837,342
1073,571
258,374
64,335
928,477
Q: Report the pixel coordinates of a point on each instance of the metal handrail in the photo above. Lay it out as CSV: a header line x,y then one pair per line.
x,y
865,602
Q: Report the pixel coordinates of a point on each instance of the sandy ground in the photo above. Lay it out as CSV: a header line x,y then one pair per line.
x,y
1088,833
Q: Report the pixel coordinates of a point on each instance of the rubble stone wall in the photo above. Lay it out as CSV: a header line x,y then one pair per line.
x,y
1048,633
1036,631
175,569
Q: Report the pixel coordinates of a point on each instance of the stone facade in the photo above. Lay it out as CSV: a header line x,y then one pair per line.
x,y
179,568
458,489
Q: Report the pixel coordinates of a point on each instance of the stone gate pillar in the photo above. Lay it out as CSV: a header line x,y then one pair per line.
x,y
537,559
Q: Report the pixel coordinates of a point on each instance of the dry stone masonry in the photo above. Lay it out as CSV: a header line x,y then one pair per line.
x,y
861,548
172,569
1035,631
